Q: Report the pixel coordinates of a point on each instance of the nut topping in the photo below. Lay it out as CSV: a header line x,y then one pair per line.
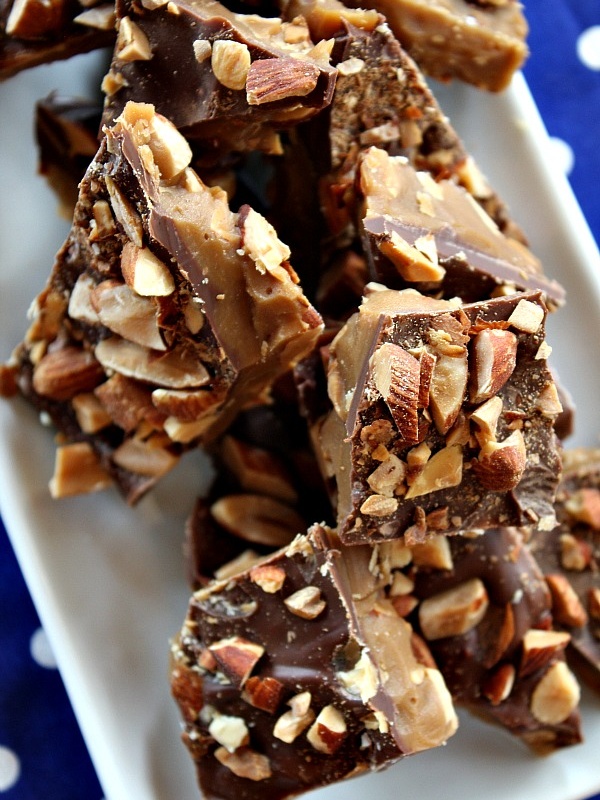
x,y
230,62
306,602
566,606
527,316
245,763
291,724
237,657
328,730
501,464
272,79
454,611
540,647
61,374
77,470
556,696
258,519
269,577
442,471
264,693
231,732
493,360
145,273
396,375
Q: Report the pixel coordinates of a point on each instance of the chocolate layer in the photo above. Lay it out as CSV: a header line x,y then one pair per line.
x,y
299,673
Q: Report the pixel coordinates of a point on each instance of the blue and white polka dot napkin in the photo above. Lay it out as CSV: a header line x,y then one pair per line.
x,y
42,753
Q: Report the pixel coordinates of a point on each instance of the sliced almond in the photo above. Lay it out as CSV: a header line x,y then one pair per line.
x,y
143,458
145,273
258,519
177,369
448,388
127,314
493,360
396,375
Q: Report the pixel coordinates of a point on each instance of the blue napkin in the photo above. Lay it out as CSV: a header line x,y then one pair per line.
x,y
42,753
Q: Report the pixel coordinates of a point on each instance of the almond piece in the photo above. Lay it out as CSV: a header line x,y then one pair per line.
x,y
328,731
245,763
306,602
527,316
291,724
34,19
230,732
132,42
272,79
388,476
396,375
486,420
62,374
269,577
454,611
434,552
264,693
143,458
125,313
177,369
186,405
237,657
594,602
575,554
91,414
230,62
442,471
566,606
498,686
501,465
259,519
448,388
145,273
556,696
258,470
539,647
77,470
412,264
492,361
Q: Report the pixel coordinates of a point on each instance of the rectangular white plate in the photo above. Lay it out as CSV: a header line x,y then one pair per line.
x,y
108,580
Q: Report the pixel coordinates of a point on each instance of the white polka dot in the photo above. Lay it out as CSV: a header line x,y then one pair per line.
x,y
588,47
562,154
40,649
10,769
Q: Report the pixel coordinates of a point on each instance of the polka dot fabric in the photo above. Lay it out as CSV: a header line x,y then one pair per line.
x,y
563,73
42,753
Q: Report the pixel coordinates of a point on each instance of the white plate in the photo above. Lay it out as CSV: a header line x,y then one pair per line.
x,y
108,580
